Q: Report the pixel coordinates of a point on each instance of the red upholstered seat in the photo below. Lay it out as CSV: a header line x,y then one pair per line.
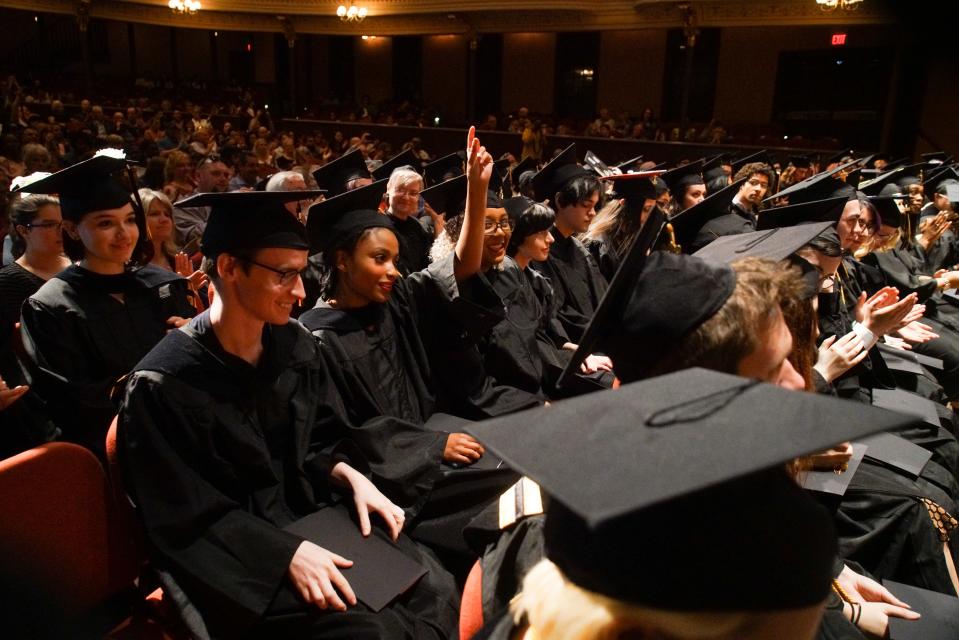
x,y
60,528
471,607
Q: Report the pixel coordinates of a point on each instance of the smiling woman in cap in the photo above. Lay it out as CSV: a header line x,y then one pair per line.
x,y
88,325
388,339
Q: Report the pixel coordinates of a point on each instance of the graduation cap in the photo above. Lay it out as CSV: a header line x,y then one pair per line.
x,y
759,156
838,157
935,180
681,177
895,164
800,161
632,474
497,183
447,197
936,157
826,184
688,223
888,208
444,168
635,186
402,159
679,291
713,167
516,207
335,175
630,164
597,166
899,176
246,220
828,210
772,244
90,185
560,170
526,164
332,221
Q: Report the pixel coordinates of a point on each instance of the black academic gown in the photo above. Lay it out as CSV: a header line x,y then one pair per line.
x,y
415,242
577,282
605,257
737,221
80,340
384,360
219,455
901,267
836,313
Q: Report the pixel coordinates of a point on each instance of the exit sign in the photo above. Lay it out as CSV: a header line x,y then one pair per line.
x,y
838,39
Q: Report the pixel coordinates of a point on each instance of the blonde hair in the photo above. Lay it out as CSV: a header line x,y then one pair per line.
x,y
557,609
174,158
147,198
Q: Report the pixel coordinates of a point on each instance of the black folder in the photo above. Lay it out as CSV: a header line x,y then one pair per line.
x,y
897,452
830,481
380,571
940,614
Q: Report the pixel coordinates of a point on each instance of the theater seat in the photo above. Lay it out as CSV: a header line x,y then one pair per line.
x,y
471,607
60,533
153,619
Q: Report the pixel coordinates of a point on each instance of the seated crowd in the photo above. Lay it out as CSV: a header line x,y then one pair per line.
x,y
515,364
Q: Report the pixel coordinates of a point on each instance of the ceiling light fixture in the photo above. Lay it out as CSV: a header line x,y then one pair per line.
x,y
832,5
188,7
351,13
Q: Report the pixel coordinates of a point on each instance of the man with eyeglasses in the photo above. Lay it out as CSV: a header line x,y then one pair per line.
x,y
212,176
231,430
744,210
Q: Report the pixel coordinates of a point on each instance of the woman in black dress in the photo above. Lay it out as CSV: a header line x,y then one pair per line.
x,y
85,328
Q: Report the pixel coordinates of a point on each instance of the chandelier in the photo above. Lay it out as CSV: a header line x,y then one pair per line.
x,y
832,5
351,13
184,6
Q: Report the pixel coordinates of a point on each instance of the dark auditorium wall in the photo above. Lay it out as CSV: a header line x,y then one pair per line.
x,y
630,74
748,59
152,46
373,68
529,62
444,74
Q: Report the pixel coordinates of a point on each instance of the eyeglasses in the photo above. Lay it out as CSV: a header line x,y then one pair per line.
x,y
407,192
490,226
45,225
287,276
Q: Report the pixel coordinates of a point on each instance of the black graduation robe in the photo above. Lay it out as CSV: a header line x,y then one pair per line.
x,y
415,360
415,242
737,221
80,341
525,349
577,282
836,313
901,267
218,455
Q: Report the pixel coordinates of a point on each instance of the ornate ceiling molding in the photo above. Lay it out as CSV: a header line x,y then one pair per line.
x,y
437,17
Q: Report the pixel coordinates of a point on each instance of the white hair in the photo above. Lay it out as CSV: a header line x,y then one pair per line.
x,y
401,177
277,181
